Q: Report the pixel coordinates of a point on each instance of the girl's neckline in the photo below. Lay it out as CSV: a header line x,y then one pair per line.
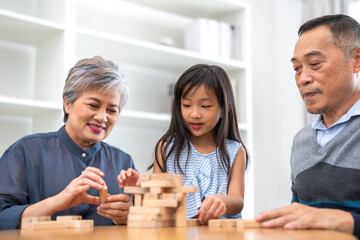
x,y
192,146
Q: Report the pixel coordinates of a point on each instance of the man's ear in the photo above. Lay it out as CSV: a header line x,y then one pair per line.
x,y
356,56
66,105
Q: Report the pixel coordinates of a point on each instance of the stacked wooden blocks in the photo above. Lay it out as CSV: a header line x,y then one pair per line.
x,y
159,202
62,222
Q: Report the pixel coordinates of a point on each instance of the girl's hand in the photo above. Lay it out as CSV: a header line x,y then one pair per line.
x,y
75,193
213,207
116,208
129,178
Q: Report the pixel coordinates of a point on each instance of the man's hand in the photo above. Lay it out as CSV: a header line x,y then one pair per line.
x,y
299,216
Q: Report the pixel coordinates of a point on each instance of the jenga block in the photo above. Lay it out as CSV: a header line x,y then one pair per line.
x,y
135,190
138,200
46,225
151,196
79,223
248,223
157,190
160,203
181,210
159,183
182,189
151,217
162,176
68,218
103,194
167,196
26,221
144,210
192,222
151,224
215,223
228,223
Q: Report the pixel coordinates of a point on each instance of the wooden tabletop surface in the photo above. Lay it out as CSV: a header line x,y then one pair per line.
x,y
202,232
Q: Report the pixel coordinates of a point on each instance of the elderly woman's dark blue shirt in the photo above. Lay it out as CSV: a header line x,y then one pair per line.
x,y
40,166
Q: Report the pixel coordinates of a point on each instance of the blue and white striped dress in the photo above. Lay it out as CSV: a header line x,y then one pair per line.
x,y
204,171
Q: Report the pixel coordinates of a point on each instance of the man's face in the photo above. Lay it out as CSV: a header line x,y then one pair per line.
x,y
323,74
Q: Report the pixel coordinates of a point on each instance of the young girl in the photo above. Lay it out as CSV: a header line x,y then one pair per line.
x,y
204,145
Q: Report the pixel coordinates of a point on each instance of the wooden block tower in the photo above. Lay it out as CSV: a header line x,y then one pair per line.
x,y
159,202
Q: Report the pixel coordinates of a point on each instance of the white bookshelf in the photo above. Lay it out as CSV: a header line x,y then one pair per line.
x,y
40,40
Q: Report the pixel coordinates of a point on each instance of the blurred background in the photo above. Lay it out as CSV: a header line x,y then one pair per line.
x,y
153,42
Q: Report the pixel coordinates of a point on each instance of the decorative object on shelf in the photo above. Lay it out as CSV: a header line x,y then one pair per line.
x,y
167,41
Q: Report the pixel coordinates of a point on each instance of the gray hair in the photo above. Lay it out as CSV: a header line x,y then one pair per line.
x,y
345,31
97,73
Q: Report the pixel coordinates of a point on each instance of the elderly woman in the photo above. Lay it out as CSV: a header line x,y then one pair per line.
x,y
61,173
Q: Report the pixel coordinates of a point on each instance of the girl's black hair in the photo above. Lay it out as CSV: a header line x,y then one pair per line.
x,y
217,83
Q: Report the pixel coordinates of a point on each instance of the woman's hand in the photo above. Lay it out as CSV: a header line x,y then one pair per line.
x,y
213,207
129,177
75,193
116,208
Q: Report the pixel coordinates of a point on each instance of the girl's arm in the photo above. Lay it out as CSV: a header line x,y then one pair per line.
x,y
215,206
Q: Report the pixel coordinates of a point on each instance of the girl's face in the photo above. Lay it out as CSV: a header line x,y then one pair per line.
x,y
92,116
201,112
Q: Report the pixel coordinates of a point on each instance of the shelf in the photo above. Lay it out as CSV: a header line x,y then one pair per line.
x,y
26,29
195,8
26,107
138,52
86,9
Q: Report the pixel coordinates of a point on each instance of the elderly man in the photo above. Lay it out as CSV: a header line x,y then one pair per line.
x,y
325,158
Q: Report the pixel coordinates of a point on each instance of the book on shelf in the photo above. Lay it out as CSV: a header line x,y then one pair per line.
x,y
213,38
236,45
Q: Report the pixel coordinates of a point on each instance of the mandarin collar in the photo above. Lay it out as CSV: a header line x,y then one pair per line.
x,y
76,149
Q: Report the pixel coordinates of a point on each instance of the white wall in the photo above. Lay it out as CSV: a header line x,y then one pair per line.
x,y
278,108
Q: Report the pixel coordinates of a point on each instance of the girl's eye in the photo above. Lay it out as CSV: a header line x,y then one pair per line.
x,y
186,105
206,106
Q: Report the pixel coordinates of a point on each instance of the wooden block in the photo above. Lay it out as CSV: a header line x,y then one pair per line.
x,y
228,223
167,196
151,224
144,210
103,194
68,218
162,176
26,221
214,223
192,222
248,223
135,190
138,200
151,196
181,210
159,183
182,189
160,203
157,190
79,223
151,216
47,225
